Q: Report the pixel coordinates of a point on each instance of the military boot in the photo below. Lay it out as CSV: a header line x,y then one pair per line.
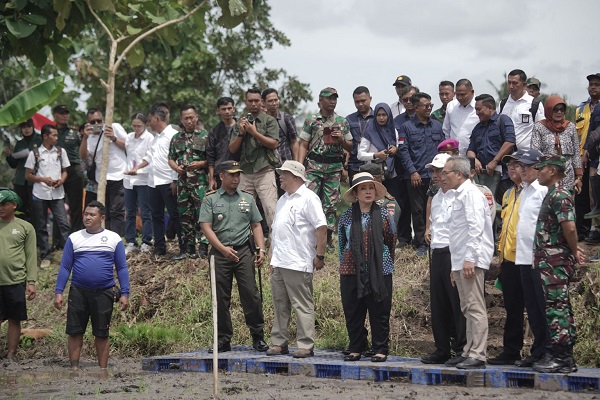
x,y
561,362
203,250
595,186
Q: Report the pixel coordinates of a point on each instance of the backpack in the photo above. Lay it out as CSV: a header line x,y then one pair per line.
x,y
535,104
36,156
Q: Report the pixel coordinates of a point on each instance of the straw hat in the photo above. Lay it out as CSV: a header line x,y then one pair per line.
x,y
364,177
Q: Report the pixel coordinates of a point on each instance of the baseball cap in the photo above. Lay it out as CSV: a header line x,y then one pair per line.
x,y
514,156
402,80
372,168
229,166
60,109
530,157
8,195
327,92
438,161
294,167
534,81
593,76
448,145
556,160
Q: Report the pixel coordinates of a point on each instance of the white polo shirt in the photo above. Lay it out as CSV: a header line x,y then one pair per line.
x,y
136,149
397,108
441,213
294,235
459,123
159,171
471,228
117,159
48,166
532,197
518,111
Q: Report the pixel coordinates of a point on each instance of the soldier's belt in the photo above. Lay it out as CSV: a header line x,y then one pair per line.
x,y
325,160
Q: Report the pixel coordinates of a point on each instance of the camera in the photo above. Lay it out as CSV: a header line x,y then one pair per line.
x,y
96,129
250,118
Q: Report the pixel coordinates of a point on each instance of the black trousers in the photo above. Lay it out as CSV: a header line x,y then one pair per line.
x,y
395,187
160,197
243,270
535,304
512,293
355,311
418,204
447,320
74,191
25,193
582,205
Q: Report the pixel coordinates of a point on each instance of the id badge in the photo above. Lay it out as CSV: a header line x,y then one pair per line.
x,y
525,118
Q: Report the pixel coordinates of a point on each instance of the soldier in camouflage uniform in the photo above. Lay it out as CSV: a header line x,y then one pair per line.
x,y
187,156
555,255
323,139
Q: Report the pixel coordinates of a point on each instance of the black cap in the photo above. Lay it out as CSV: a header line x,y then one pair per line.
x,y
402,80
60,109
372,168
229,166
593,76
514,156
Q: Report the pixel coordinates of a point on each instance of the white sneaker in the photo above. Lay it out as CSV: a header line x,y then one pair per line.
x,y
130,248
144,248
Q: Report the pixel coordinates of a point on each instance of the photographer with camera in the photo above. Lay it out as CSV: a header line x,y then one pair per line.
x,y
255,139
91,146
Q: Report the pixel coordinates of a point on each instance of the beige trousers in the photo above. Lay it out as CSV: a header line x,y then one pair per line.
x,y
472,304
262,183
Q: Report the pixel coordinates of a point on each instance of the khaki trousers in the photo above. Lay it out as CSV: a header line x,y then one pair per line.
x,y
293,289
472,304
262,183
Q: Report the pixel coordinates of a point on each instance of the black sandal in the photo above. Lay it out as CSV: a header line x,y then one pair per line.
x,y
379,358
351,357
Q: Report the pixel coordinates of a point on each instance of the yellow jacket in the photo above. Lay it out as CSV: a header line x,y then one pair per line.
x,y
507,246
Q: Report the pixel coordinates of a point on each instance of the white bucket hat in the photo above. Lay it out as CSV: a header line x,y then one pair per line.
x,y
364,177
294,167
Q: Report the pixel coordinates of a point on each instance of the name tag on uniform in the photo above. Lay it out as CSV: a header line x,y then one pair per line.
x,y
525,118
244,206
219,204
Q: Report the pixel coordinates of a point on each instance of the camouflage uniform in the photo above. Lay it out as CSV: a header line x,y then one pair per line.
x,y
185,148
324,161
556,263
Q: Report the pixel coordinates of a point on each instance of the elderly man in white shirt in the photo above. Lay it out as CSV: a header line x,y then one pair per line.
x,y
298,240
447,319
91,146
460,116
162,189
518,106
471,250
532,196
46,167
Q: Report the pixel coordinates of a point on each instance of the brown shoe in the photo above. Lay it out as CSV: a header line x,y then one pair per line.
x,y
277,350
303,353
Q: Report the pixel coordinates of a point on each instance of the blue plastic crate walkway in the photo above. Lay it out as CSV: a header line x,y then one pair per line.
x,y
330,364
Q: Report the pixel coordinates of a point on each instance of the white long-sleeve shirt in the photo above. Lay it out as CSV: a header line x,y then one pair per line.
x,y
532,197
459,123
117,157
441,213
518,111
136,150
470,228
160,173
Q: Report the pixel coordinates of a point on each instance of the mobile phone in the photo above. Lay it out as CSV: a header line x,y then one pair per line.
x,y
327,138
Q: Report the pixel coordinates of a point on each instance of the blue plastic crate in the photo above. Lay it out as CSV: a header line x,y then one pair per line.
x,y
504,378
427,376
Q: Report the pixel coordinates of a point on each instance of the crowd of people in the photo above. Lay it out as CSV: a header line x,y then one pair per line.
x,y
255,187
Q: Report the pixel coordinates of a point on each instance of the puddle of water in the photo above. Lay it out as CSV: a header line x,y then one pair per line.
x,y
24,378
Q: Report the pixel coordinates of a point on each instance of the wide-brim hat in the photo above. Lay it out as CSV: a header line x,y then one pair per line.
x,y
364,177
294,167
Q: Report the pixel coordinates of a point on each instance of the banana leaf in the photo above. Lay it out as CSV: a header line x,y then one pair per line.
x,y
21,107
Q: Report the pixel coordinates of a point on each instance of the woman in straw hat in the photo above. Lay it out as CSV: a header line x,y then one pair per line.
x,y
366,245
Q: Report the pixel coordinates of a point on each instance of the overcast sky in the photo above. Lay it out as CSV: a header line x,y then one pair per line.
x,y
348,43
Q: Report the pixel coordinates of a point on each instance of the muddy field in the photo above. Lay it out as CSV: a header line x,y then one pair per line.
x,y
53,379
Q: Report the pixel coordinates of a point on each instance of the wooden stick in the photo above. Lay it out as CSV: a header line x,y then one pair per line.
x,y
213,287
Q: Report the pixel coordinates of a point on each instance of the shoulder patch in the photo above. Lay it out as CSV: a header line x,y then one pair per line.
x,y
210,192
389,196
247,192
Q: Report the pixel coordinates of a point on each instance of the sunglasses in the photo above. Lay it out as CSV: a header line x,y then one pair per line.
x,y
427,106
95,121
559,109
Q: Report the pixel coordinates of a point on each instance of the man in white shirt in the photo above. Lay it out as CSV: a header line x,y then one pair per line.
x,y
471,250
298,215
399,84
461,117
520,108
46,167
162,188
532,196
91,146
447,319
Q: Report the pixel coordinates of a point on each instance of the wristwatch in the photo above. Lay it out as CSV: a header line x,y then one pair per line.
x,y
320,257
113,139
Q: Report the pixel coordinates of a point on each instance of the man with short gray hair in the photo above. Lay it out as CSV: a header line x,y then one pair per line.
x,y
299,214
471,250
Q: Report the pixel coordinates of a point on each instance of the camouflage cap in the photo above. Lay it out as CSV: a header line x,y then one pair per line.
x,y
534,81
229,166
402,80
327,92
10,196
372,168
558,161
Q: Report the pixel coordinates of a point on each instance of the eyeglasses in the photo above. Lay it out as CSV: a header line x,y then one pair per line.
x,y
95,121
405,99
444,172
427,106
515,165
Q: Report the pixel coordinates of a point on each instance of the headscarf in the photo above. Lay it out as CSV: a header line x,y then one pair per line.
x,y
554,126
382,136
